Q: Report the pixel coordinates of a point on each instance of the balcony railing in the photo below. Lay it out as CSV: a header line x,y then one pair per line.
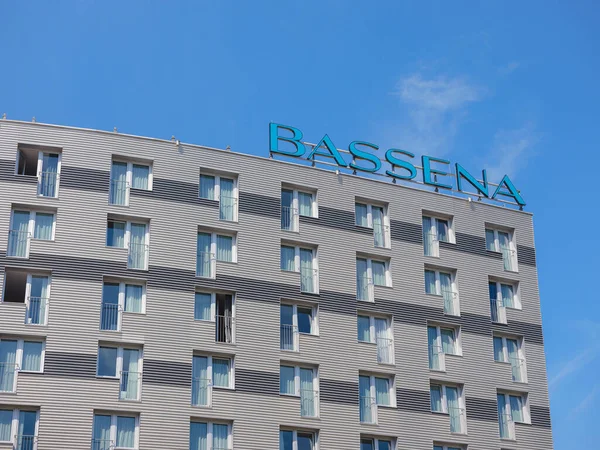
x,y
37,311
368,410
289,218
25,442
436,358
206,265
8,377
381,235
224,329
385,351
450,303
309,281
119,193
509,257
110,319
518,369
130,385
138,256
18,243
457,419
365,290
506,426
431,244
309,403
227,207
103,444
47,184
201,391
498,310
288,337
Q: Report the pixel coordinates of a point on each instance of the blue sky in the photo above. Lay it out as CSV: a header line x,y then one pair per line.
x,y
510,86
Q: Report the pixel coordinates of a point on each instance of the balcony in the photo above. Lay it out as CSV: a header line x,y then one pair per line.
x,y
506,426
368,410
289,218
201,391
509,257
381,236
24,442
138,256
309,400
224,331
18,244
450,303
288,337
309,281
103,444
227,208
48,184
437,359
518,369
119,193
385,351
36,312
431,244
365,289
130,386
8,377
457,420
498,310
110,319
206,265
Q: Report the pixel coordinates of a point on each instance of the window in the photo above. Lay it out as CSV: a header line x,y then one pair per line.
x,y
214,247
218,308
297,440
121,296
436,230
502,296
502,242
449,400
376,444
512,408
295,203
26,225
111,430
375,391
509,350
133,236
296,319
442,341
443,283
221,189
125,175
33,289
301,382
446,447
303,260
377,330
45,164
125,364
375,217
18,355
20,425
370,273
210,435
209,372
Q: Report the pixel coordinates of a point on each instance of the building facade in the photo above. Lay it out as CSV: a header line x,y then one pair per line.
x,y
158,295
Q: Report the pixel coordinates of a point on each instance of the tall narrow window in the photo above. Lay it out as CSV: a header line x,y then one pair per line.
x,y
304,261
374,391
112,431
296,203
126,175
222,189
213,247
511,409
449,400
442,341
49,173
508,350
301,382
377,330
436,230
502,241
28,225
376,217
370,273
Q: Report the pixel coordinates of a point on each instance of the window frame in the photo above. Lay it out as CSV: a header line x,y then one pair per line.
x,y
297,248
444,402
119,359
129,173
214,249
512,244
520,352
369,274
373,339
14,427
32,222
295,205
114,431
295,432
387,241
123,283
516,290
19,354
314,323
127,235
457,337
297,368
210,431
373,388
438,283
376,440
26,300
217,191
525,411
435,218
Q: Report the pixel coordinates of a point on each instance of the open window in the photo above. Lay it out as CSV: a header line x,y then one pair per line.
x,y
43,162
31,289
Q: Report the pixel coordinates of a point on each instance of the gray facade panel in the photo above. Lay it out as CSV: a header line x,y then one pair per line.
x,y
256,382
413,400
526,255
482,409
171,373
72,365
338,391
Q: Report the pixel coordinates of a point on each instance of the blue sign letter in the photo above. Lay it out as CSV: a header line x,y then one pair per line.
x,y
427,171
333,152
296,139
510,192
360,154
462,173
389,155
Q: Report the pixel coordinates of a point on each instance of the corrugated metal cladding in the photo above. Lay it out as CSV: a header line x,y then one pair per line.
x,y
68,392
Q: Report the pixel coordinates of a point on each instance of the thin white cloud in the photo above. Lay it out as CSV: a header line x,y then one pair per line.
x,y
435,108
509,68
574,365
511,150
587,401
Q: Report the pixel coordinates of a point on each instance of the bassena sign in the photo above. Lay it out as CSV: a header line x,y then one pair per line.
x,y
398,161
